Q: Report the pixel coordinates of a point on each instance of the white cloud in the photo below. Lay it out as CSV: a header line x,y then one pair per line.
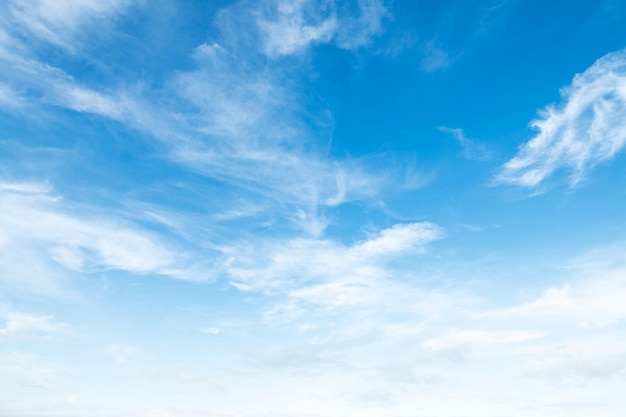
x,y
290,33
58,22
20,324
587,128
246,130
249,136
235,119
44,228
326,273
25,187
242,126
242,119
400,237
596,301
88,101
9,98
290,27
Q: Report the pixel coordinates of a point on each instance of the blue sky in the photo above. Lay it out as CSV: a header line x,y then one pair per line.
x,y
312,208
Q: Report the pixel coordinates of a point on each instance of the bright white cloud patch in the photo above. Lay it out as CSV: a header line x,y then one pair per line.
x,y
35,221
399,238
587,128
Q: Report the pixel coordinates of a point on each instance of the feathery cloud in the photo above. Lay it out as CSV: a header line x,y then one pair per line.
x,y
290,27
586,129
326,273
38,221
57,22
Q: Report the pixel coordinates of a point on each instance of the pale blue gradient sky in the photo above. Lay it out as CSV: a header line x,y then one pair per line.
x,y
312,208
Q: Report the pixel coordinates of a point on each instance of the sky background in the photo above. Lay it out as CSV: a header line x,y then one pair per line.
x,y
312,208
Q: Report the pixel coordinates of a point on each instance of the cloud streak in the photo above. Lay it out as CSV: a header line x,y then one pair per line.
x,y
327,274
56,22
20,324
586,129
36,220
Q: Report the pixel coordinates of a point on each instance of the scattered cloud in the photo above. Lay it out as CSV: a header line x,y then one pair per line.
x,y
290,27
586,129
326,273
39,222
365,312
594,300
56,22
249,137
20,324
242,119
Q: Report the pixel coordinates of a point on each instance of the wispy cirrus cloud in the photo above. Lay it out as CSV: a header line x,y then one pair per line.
x,y
245,129
586,129
233,117
290,27
57,22
37,222
10,99
326,273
